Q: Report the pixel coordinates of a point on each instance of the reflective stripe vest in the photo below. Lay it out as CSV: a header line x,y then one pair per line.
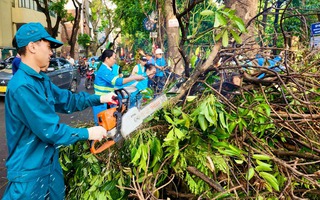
x,y
105,80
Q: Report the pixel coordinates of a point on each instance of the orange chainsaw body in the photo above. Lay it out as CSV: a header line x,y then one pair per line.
x,y
107,119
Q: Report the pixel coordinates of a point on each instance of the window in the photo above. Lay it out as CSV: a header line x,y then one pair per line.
x,y
22,3
54,65
30,4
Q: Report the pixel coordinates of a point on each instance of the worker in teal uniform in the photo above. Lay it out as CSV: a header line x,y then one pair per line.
x,y
106,80
33,130
116,70
140,67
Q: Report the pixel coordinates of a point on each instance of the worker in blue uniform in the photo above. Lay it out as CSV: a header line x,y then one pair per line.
x,y
160,77
33,130
150,59
106,80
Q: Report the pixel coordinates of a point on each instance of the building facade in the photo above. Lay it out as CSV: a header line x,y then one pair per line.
x,y
15,13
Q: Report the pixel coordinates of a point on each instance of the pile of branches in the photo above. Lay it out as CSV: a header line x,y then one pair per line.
x,y
293,94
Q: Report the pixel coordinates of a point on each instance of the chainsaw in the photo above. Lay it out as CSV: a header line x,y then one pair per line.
x,y
120,121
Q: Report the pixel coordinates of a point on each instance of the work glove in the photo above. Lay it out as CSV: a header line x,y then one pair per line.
x,y
97,133
109,98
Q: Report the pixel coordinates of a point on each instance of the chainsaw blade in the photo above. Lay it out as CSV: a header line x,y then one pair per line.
x,y
134,117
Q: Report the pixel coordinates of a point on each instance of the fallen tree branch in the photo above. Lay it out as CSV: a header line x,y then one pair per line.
x,y
205,178
296,154
299,116
198,71
180,195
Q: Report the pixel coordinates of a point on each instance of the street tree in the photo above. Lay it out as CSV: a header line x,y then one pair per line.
x,y
74,19
104,23
57,7
47,7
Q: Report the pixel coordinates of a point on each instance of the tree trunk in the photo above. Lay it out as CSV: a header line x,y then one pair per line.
x,y
246,10
265,17
174,56
43,6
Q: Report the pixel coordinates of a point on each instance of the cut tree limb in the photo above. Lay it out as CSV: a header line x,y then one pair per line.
x,y
197,72
205,178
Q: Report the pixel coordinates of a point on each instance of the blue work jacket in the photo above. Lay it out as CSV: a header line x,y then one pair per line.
x,y
33,130
105,80
161,62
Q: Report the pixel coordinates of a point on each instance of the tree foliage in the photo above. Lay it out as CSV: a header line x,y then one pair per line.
x,y
84,40
48,7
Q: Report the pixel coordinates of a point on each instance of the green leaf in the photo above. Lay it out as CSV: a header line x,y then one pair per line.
x,y
176,112
263,164
222,120
193,61
239,162
260,157
203,122
170,136
168,119
66,158
236,37
266,108
207,115
263,168
179,133
225,39
63,166
143,157
218,36
231,126
250,173
212,112
235,149
269,178
109,185
136,156
133,152
240,24
206,12
214,138
156,151
219,20
96,168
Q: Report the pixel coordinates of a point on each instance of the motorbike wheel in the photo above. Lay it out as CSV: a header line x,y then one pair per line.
x,y
88,83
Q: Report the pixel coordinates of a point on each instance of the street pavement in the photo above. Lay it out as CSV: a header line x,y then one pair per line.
x,y
74,119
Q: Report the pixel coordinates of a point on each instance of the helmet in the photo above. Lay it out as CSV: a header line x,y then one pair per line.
x,y
159,51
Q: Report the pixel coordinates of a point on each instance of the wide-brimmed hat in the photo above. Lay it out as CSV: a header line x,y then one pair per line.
x,y
32,32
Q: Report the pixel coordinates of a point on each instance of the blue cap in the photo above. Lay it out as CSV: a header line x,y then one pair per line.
x,y
32,32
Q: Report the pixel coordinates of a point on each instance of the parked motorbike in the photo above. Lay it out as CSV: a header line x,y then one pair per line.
x,y
89,78
82,70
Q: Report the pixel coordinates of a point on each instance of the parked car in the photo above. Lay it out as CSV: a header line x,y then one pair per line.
x,y
60,71
6,62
